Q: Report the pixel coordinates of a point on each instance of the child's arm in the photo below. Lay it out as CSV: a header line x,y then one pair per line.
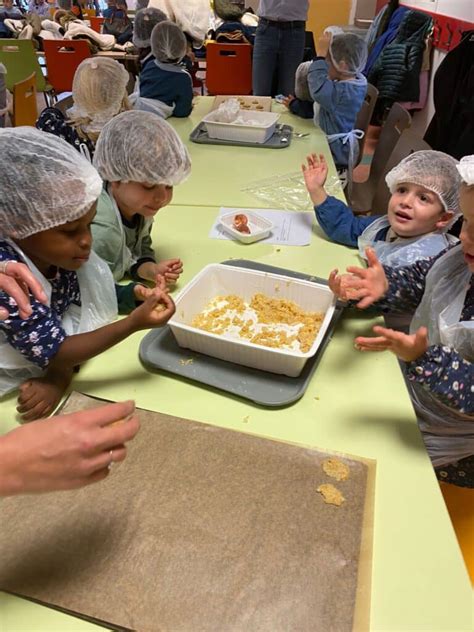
x,y
321,88
184,96
390,289
439,369
447,375
303,109
334,217
81,347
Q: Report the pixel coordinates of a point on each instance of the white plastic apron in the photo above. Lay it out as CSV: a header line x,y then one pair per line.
x,y
98,307
448,434
127,258
402,251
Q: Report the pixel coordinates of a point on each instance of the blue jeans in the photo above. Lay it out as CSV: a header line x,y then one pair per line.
x,y
277,54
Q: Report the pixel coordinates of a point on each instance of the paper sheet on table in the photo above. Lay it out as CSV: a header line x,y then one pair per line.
x,y
290,228
202,528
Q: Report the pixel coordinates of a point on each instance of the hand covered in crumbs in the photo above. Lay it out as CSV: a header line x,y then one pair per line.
x,y
367,285
155,311
142,292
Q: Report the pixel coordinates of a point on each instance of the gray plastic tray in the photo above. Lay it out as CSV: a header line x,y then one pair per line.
x,y
280,139
160,351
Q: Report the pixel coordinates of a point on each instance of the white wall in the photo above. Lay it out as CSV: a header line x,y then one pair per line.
x,y
461,9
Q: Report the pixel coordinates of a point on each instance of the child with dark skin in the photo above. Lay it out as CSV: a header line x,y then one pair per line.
x,y
53,237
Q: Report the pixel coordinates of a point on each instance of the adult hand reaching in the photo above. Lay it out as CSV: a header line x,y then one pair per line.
x,y
67,451
17,281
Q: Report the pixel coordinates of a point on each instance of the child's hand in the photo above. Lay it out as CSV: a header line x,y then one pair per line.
x,y
155,311
142,292
367,284
407,347
315,173
287,100
170,269
344,286
323,44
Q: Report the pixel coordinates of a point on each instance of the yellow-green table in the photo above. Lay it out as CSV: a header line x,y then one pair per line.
x,y
220,173
355,403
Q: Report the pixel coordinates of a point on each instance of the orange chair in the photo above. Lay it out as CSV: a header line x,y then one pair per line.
x,y
62,59
96,24
229,68
25,109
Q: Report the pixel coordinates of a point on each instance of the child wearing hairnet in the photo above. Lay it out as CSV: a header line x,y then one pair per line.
x,y
423,205
99,91
165,86
145,21
140,158
46,225
337,89
439,350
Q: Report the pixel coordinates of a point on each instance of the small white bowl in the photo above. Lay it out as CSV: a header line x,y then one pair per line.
x,y
260,227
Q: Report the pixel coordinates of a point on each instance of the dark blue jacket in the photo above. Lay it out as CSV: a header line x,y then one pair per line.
x,y
168,83
341,225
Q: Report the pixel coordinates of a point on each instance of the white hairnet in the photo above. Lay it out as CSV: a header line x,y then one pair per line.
x,y
99,89
168,42
433,170
348,53
466,169
45,182
301,82
145,21
138,146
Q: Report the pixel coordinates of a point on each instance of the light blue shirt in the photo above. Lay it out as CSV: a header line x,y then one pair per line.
x,y
284,10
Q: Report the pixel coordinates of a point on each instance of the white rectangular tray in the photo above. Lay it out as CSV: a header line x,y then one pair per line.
x,y
218,279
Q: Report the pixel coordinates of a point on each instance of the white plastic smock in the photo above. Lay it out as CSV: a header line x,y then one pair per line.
x,y
402,251
448,434
98,307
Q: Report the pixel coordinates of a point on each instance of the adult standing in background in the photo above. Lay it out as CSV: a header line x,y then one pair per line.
x,y
279,45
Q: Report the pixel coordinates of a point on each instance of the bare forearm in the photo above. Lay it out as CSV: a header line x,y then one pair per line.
x,y
318,195
81,347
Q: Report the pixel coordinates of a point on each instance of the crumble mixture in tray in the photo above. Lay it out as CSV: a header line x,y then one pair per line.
x,y
266,321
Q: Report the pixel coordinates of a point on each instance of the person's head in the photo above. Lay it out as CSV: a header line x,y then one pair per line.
x,y
168,43
49,197
425,193
347,56
8,4
141,4
65,5
99,90
142,158
228,10
145,21
111,4
466,170
301,82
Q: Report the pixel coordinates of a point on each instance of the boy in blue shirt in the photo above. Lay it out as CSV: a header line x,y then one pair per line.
x,y
337,88
162,79
423,205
